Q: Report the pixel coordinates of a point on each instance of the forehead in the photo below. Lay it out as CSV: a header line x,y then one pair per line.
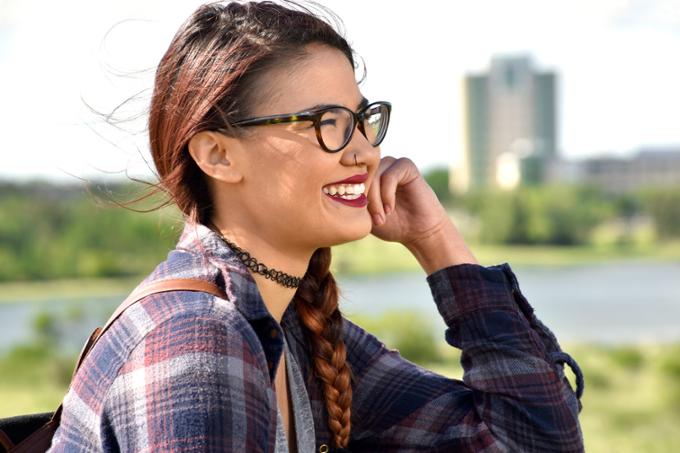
x,y
323,76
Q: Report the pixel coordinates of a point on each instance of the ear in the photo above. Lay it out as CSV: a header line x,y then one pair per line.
x,y
215,154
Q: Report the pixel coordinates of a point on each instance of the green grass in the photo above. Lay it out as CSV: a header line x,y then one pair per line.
x,y
574,255
372,255
32,381
63,288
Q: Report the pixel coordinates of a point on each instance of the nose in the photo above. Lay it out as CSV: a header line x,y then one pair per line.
x,y
359,151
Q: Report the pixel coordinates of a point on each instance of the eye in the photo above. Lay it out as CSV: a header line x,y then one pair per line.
x,y
333,117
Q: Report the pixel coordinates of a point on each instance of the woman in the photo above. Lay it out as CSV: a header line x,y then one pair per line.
x,y
263,139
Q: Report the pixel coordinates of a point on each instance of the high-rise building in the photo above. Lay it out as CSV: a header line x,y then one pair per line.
x,y
510,131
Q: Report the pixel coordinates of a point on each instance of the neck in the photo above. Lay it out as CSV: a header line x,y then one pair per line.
x,y
275,296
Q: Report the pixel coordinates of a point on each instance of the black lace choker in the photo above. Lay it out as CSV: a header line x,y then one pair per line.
x,y
280,277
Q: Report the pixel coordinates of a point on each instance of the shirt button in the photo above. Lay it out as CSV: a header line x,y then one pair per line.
x,y
273,333
323,448
271,365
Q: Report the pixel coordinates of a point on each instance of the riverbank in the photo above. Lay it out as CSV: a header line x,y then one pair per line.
x,y
374,256
27,291
370,256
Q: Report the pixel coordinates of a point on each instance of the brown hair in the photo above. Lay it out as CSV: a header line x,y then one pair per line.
x,y
208,78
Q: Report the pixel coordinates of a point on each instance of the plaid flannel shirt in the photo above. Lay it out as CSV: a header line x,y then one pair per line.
x,y
188,371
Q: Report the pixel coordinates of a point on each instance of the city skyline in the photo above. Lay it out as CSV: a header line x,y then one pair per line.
x,y
615,60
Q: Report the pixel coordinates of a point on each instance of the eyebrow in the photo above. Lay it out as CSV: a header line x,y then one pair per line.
x,y
363,103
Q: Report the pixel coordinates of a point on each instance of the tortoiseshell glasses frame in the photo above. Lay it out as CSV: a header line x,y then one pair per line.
x,y
380,108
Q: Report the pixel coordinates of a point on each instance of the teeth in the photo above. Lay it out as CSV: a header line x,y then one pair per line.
x,y
350,197
346,190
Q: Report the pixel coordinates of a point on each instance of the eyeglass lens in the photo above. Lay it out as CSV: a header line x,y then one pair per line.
x,y
336,126
375,121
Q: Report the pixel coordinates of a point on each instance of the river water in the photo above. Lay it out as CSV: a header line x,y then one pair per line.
x,y
619,302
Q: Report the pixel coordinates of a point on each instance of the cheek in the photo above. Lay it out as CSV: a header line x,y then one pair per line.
x,y
287,187
290,174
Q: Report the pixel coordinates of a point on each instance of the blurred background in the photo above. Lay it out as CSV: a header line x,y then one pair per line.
x,y
549,130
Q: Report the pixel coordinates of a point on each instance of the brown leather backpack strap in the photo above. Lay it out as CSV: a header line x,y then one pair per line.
x,y
5,441
174,284
41,439
86,348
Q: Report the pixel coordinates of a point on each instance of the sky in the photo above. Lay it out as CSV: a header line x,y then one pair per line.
x,y
618,63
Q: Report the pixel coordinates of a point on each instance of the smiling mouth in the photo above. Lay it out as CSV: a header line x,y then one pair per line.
x,y
345,191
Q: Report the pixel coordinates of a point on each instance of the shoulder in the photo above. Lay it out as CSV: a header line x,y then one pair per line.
x,y
175,356
166,329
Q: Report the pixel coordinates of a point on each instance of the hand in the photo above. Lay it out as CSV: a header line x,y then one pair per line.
x,y
415,217
414,210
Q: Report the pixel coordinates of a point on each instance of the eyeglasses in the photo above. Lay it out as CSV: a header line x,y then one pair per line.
x,y
335,124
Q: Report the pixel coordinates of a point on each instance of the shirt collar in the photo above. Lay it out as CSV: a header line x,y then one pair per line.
x,y
217,261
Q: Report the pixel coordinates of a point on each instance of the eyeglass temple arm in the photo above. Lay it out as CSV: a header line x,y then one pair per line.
x,y
275,119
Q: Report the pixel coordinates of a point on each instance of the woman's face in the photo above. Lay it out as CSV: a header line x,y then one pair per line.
x,y
285,169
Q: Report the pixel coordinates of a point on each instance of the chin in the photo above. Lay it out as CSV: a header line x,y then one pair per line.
x,y
345,236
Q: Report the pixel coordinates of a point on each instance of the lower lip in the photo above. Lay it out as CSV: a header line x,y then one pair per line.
x,y
358,203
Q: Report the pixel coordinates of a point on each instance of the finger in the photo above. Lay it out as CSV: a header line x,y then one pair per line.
x,y
391,178
375,205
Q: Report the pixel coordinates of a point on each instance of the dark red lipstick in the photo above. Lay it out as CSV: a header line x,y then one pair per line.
x,y
356,179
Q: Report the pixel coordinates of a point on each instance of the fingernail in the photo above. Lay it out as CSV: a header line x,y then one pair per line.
x,y
377,219
388,209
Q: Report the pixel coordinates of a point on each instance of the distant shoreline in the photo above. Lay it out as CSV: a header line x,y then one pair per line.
x,y
368,257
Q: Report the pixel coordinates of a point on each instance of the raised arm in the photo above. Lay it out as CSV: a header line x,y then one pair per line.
x,y
514,396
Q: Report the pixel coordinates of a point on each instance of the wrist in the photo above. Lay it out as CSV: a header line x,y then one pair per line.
x,y
442,248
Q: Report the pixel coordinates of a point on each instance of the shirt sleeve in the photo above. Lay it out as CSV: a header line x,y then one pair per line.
x,y
189,385
514,396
